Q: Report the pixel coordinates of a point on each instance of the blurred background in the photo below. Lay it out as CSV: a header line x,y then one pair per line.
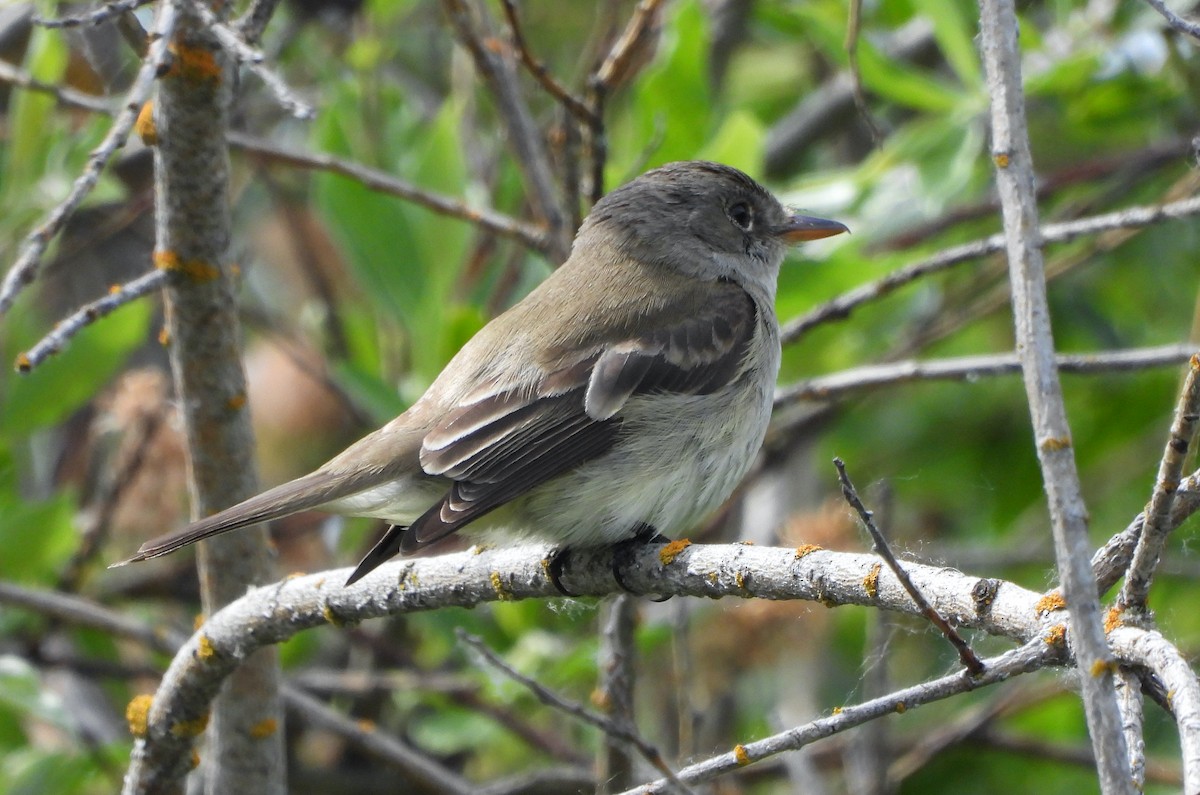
x,y
353,299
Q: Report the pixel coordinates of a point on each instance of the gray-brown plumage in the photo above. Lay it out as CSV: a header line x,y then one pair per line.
x,y
632,388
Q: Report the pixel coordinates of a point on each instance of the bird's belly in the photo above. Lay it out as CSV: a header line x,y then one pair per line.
x,y
677,459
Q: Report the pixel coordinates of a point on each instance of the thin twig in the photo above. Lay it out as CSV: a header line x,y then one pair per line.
x,y
1157,526
966,654
247,54
254,21
840,308
615,66
614,693
490,220
1052,434
495,67
24,270
1174,20
1030,657
81,612
1111,560
610,727
118,296
65,95
1133,723
506,226
853,30
541,72
96,16
871,377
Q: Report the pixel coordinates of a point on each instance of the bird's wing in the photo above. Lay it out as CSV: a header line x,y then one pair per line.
x,y
499,445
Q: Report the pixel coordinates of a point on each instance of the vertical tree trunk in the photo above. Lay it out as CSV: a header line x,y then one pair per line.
x,y
245,751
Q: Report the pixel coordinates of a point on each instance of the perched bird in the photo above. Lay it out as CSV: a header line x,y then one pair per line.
x,y
627,394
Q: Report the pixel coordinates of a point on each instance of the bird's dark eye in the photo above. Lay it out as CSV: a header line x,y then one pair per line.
x,y
740,214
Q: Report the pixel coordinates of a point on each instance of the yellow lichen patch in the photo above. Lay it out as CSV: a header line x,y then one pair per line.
x,y
1102,667
196,270
1112,619
502,593
137,714
806,549
331,617
195,760
1056,443
194,63
204,649
837,710
293,575
740,754
114,289
190,728
1056,635
871,581
264,728
23,364
667,555
164,336
144,126
198,621
1050,602
365,725
1001,160
237,401
740,579
601,699
901,708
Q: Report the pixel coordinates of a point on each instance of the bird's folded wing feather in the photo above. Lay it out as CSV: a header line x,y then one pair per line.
x,y
499,445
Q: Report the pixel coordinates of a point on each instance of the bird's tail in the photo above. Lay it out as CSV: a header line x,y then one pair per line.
x,y
302,494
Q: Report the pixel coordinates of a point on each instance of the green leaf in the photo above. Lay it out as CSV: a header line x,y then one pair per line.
x,y
905,85
955,34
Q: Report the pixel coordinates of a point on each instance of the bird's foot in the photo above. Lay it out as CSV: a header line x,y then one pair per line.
x,y
623,552
554,570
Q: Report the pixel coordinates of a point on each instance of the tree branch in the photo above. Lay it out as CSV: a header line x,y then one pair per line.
x,y
1035,343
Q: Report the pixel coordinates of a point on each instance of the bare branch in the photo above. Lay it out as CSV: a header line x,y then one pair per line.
x,y
1151,650
618,729
541,73
118,296
1156,528
245,53
1133,724
872,377
24,270
840,308
64,94
96,16
1030,657
614,692
254,21
1174,20
503,225
1110,561
77,611
495,67
1052,434
272,613
965,653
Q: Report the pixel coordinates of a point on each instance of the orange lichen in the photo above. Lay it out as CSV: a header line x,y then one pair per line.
x,y
502,593
264,728
137,714
1056,635
196,64
1050,602
145,127
196,270
806,549
667,555
871,581
190,728
1113,619
204,649
741,755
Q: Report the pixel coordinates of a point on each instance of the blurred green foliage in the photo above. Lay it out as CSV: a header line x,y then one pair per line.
x,y
1107,87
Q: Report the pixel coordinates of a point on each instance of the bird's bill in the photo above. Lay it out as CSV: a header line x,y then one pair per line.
x,y
800,228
